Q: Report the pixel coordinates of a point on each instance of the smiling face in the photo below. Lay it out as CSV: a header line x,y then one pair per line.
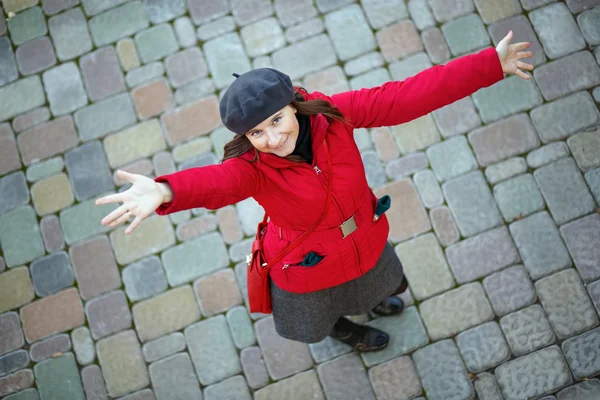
x,y
276,134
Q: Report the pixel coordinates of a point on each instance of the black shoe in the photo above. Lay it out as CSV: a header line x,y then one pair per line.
x,y
360,337
389,306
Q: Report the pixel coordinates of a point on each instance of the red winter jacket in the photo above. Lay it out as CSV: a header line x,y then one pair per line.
x,y
293,194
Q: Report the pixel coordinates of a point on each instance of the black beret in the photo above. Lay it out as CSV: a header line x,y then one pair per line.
x,y
253,97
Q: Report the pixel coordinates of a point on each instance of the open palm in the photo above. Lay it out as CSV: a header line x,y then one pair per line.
x,y
510,55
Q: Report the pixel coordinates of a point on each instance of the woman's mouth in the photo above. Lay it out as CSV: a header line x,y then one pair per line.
x,y
283,144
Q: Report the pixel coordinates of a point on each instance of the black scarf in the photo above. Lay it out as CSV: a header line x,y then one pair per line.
x,y
303,143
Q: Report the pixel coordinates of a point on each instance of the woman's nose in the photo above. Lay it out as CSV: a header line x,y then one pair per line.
x,y
273,138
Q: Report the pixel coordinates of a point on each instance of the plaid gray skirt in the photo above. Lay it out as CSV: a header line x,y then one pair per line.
x,y
309,317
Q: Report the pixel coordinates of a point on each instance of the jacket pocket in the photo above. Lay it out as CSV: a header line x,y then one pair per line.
x,y
311,260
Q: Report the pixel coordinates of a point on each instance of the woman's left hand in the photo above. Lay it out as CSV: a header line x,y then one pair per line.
x,y
510,55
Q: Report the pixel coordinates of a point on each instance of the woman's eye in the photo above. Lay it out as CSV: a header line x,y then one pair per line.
x,y
276,120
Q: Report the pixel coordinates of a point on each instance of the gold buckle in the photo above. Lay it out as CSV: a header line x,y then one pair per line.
x,y
348,227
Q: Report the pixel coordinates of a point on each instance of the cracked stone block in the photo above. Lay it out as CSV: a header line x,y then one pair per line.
x,y
108,314
567,303
505,170
118,22
585,147
499,140
345,377
442,372
547,154
509,96
481,255
518,197
51,274
304,386
487,388
58,378
483,347
34,56
540,245
527,330
587,390
350,32
47,348
565,116
451,158
210,340
283,357
471,202
581,354
425,266
394,379
583,241
64,88
253,367
457,118
163,347
122,363
456,310
465,34
88,170
20,236
509,290
407,334
83,345
557,30
554,81
12,334
69,32
564,190
174,377
232,388
535,374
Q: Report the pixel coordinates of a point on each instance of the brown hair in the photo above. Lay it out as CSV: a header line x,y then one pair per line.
x,y
241,144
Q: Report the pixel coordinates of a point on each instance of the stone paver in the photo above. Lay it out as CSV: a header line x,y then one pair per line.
x,y
122,363
505,169
59,378
83,345
101,73
436,45
70,34
444,225
174,377
567,303
588,389
234,388
139,141
14,190
108,314
88,170
554,82
540,246
316,53
17,287
303,385
509,290
118,22
218,292
442,372
44,169
345,377
509,96
522,32
195,119
465,34
163,347
483,347
583,242
9,68
105,116
518,197
395,378
549,20
144,278
13,362
12,334
35,56
51,274
456,310
487,388
254,368
535,374
547,154
152,99
350,32
457,118
585,147
20,96
93,382
451,158
26,25
481,255
9,155
429,189
527,330
471,203
580,353
64,88
20,237
47,348
410,66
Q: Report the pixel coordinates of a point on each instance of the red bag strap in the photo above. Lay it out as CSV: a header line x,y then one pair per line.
x,y
297,242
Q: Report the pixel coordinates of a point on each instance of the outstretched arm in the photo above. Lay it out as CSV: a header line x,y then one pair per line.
x,y
397,102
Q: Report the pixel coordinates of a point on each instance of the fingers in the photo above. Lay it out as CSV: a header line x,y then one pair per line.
x,y
110,218
126,176
524,54
521,45
123,218
506,40
523,65
138,220
522,74
113,198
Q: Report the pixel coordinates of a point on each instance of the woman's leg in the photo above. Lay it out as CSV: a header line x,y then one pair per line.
x,y
360,337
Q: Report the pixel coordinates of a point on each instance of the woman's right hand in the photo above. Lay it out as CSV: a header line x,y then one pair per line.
x,y
139,201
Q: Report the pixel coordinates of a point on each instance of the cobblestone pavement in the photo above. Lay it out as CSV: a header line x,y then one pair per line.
x,y
496,198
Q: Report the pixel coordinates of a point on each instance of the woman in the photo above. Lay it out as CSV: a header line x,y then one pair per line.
x,y
294,153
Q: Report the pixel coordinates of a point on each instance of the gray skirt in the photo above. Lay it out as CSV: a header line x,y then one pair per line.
x,y
309,317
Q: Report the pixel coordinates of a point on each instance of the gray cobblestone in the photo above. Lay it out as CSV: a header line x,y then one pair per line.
x,y
582,391
449,10
93,7
531,4
465,34
70,34
518,197
585,147
215,28
547,154
144,74
594,291
14,191
292,12
492,12
303,385
509,96
409,66
444,225
46,348
436,45
487,388
105,116
174,378
328,5
20,237
363,63
144,278
160,11
88,170
32,118
451,158
442,372
304,30
509,290
593,179
381,13
540,245
350,32
429,189
240,326
206,10
470,200
588,23
8,67
254,367
51,274
232,388
186,66
527,330
399,168
566,75
481,255
535,374
328,349
522,32
373,168
156,42
108,314
247,11
26,25
483,347
394,379
61,369
421,14
456,310
225,55
583,241
12,338
193,91
101,73
262,37
564,190
163,347
185,32
581,354
506,169
64,88
14,361
93,382
557,30
21,96
118,22
373,78
83,345
33,56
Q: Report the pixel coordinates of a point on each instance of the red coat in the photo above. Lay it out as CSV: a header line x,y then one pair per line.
x,y
293,194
